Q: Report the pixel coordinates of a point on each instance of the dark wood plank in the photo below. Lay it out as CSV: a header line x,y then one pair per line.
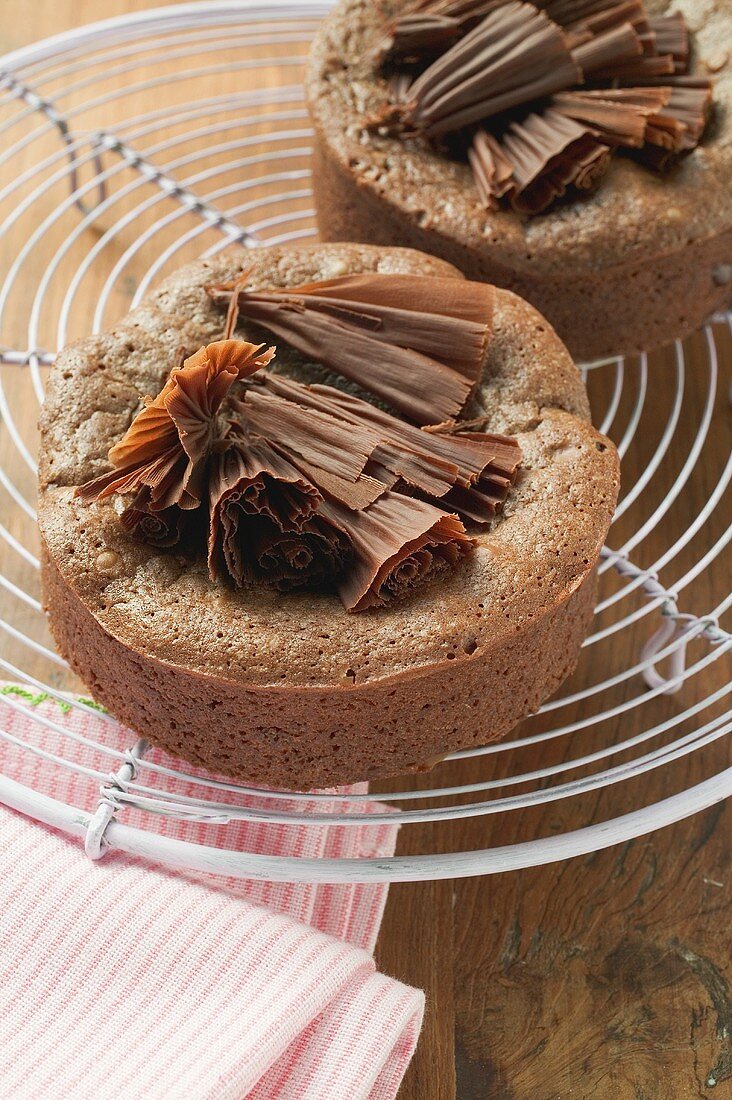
x,y
605,976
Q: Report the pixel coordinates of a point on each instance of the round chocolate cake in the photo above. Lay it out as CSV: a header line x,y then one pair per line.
x,y
303,688
608,207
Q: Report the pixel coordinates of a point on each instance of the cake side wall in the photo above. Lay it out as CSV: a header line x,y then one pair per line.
x,y
299,738
626,308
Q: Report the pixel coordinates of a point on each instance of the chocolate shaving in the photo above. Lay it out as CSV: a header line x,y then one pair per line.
x,y
257,552
636,69
681,80
426,26
604,52
570,13
416,342
261,510
620,115
676,129
308,485
515,55
613,15
162,529
266,484
671,37
550,153
316,437
691,108
431,464
414,35
165,449
621,53
492,170
465,11
518,53
358,494
399,544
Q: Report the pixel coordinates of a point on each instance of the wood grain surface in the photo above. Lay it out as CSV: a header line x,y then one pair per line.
x,y
604,977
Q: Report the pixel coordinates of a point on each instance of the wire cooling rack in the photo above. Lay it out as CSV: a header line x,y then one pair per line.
x,y
133,145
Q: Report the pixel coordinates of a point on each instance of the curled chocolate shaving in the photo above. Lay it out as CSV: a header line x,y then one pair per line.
x,y
611,15
426,26
515,55
466,12
263,523
417,342
687,107
570,13
165,449
257,552
492,170
307,485
358,494
676,128
318,438
399,543
162,529
621,53
549,153
334,456
606,51
317,555
264,483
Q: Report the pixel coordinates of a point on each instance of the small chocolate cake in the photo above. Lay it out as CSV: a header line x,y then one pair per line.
x,y
582,159
218,659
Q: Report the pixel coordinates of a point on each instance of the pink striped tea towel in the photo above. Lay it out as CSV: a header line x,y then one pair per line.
x,y
127,978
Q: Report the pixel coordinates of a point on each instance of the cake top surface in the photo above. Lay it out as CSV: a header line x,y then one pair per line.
x,y
634,210
164,605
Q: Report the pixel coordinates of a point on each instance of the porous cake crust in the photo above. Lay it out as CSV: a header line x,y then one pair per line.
x,y
644,259
290,690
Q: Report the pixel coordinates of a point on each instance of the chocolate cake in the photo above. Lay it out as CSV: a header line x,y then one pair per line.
x,y
583,161
217,659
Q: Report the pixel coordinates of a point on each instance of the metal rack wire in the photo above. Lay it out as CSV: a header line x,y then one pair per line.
x,y
112,173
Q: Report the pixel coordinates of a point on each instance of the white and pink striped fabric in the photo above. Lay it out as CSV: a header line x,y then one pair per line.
x,y
119,977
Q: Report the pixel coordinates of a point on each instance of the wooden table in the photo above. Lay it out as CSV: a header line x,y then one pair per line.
x,y
604,977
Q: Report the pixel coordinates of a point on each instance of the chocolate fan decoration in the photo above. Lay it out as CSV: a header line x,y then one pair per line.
x,y
549,153
163,455
165,448
416,342
470,474
398,543
513,56
308,485
672,37
263,522
617,74
162,529
621,116
417,34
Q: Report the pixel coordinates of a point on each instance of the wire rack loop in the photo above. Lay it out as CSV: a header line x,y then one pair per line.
x,y
118,783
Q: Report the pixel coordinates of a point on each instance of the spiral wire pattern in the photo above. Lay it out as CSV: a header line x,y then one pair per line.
x,y
114,171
